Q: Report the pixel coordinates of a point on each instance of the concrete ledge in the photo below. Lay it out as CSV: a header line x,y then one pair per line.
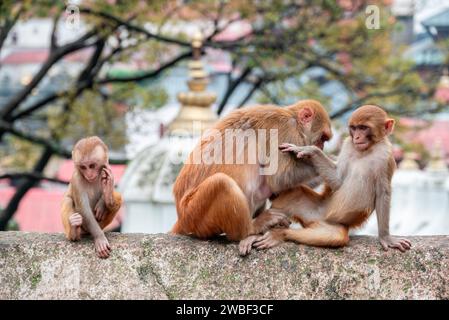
x,y
46,266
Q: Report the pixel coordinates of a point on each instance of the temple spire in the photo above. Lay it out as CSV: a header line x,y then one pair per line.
x,y
196,103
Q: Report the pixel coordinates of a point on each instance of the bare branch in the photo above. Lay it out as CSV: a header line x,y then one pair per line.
x,y
32,175
54,56
54,31
355,103
133,27
50,145
23,188
251,92
232,87
8,25
148,74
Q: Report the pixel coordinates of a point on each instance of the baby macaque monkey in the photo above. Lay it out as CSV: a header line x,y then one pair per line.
x,y
90,203
358,184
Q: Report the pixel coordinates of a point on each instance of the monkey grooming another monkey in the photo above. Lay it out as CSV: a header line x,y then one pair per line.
x,y
224,198
357,184
90,203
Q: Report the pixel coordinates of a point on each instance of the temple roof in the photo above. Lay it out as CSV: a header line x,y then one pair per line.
x,y
439,20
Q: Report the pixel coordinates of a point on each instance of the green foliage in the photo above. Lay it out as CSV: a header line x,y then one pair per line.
x,y
289,38
90,115
12,225
17,154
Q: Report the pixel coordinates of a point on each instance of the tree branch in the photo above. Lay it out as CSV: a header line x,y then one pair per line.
x,y
148,74
9,24
251,92
31,175
54,37
231,88
50,145
23,188
133,27
54,56
354,104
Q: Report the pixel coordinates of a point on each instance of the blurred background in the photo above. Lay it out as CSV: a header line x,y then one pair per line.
x,y
137,73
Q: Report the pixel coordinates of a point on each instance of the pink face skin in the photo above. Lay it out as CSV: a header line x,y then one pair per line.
x,y
361,137
306,116
90,170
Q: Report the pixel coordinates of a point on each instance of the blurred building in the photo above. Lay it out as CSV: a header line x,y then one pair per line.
x,y
420,199
404,11
424,50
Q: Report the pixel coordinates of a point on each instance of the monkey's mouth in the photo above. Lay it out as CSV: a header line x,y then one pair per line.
x,y
361,145
320,145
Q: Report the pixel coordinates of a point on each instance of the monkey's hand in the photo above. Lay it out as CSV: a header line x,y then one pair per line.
x,y
270,239
102,247
100,210
269,219
307,152
300,151
75,220
401,244
289,147
246,244
107,183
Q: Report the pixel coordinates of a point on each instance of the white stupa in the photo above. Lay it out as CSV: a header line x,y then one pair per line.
x,y
148,181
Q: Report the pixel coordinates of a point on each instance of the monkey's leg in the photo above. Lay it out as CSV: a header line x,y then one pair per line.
x,y
302,204
111,212
269,218
320,234
67,209
216,206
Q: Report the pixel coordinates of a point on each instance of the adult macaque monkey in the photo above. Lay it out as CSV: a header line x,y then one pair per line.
x,y
357,184
90,203
216,198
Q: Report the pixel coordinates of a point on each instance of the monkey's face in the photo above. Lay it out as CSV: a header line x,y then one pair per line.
x,y
316,125
90,162
362,137
90,170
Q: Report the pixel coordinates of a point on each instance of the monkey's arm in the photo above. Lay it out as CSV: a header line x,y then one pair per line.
x,y
67,210
325,166
81,200
383,201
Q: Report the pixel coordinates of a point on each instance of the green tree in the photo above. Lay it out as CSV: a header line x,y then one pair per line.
x,y
287,40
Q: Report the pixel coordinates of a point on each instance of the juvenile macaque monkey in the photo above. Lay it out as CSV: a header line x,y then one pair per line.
x,y
90,203
357,184
212,199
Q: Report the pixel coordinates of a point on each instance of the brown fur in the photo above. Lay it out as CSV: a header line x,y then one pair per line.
x,y
84,196
223,198
327,217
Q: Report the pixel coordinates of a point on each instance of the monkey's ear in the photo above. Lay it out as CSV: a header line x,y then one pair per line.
x,y
389,126
305,115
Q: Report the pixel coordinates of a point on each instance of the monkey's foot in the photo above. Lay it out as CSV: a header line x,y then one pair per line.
x,y
269,219
102,247
75,233
246,244
401,244
269,240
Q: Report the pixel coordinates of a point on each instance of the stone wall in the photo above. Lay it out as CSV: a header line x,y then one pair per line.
x,y
160,266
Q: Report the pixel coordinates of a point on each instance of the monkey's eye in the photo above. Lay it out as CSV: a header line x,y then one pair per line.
x,y
352,128
92,166
362,127
83,167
